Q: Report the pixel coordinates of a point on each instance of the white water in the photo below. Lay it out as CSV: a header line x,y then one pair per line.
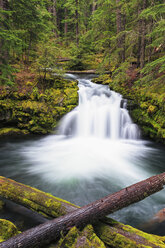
x,y
96,140
96,151
101,114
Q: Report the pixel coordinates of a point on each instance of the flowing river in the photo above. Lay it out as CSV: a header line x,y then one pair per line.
x,y
96,150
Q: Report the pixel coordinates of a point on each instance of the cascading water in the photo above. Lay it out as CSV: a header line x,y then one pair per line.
x,y
96,151
96,140
101,113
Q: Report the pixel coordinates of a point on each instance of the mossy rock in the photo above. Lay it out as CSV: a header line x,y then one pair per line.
x,y
12,131
37,110
7,230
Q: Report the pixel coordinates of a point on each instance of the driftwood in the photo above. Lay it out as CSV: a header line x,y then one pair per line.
x,y
91,213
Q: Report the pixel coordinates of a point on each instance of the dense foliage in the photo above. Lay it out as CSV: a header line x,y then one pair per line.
x,y
126,38
121,32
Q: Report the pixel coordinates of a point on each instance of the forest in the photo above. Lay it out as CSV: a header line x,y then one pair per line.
x,y
123,38
50,50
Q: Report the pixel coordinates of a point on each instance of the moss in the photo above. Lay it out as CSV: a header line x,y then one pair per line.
x,y
151,109
12,131
2,204
82,239
157,240
7,230
38,109
147,104
114,239
103,79
34,199
116,234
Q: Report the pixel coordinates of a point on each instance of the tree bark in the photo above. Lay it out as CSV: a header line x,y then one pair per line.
x,y
77,22
36,200
66,24
4,54
4,4
94,6
143,40
142,36
53,11
120,23
91,213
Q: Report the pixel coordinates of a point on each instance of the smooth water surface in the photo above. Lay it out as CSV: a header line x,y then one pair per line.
x,y
97,150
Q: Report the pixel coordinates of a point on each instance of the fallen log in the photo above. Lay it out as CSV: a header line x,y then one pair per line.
x,y
91,213
109,231
86,72
34,199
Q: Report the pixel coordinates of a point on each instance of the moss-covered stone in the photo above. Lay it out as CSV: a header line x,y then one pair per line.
x,y
7,230
36,108
12,131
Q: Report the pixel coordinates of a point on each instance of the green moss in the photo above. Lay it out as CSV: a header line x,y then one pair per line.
x,y
2,204
12,131
114,239
116,234
147,104
157,240
82,239
7,230
35,110
34,199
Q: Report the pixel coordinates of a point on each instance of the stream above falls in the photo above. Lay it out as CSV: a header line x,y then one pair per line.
x,y
97,150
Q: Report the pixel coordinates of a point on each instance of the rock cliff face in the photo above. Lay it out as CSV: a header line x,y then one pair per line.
x,y
36,108
146,105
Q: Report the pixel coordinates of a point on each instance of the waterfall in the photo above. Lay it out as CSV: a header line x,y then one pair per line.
x,y
101,113
97,151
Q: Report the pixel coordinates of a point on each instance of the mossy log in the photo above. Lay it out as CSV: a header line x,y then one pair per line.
x,y
85,72
51,230
7,230
34,199
75,238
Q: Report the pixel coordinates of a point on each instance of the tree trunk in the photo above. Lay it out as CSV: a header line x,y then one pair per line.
x,y
94,6
120,24
53,11
66,24
91,213
36,200
4,4
77,22
4,53
142,35
139,36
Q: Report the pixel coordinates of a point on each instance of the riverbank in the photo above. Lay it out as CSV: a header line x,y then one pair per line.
x,y
34,105
146,104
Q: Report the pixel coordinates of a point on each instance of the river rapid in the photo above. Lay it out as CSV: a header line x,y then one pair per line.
x,y
96,150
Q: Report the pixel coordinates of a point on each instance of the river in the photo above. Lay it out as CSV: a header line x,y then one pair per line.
x,y
97,150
